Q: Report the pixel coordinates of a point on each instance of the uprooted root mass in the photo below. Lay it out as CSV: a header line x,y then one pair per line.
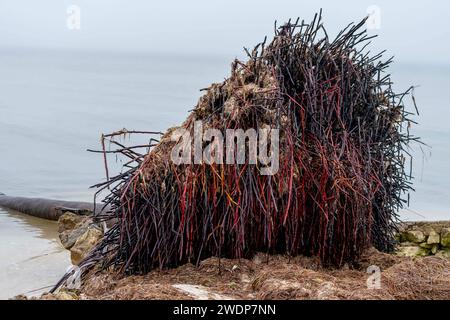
x,y
341,179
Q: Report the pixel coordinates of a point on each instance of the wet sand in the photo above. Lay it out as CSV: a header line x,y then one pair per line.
x,y
32,258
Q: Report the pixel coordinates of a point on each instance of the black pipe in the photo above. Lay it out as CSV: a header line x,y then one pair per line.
x,y
46,208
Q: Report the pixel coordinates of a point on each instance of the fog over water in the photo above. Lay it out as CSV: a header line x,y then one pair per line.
x,y
140,65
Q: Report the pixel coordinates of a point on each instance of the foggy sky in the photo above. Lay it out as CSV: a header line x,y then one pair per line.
x,y
413,31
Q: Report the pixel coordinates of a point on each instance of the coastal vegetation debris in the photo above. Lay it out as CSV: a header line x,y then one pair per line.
x,y
344,136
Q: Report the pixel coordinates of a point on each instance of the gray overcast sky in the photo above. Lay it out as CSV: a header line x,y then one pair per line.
x,y
413,31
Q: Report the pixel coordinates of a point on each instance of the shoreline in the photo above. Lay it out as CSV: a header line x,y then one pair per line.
x,y
273,278
33,257
239,277
414,264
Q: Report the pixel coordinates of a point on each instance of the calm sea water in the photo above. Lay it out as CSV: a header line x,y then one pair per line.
x,y
55,104
31,258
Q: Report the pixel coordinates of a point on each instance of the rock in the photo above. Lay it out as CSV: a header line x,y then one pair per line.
x,y
78,234
73,294
412,251
69,237
433,238
65,296
413,236
71,227
443,254
84,244
426,229
445,237
48,296
434,249
61,295
68,221
425,245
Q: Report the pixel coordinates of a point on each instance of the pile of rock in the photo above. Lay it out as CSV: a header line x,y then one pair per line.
x,y
79,234
424,238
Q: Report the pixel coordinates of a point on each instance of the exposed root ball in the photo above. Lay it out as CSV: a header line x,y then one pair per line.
x,y
341,177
